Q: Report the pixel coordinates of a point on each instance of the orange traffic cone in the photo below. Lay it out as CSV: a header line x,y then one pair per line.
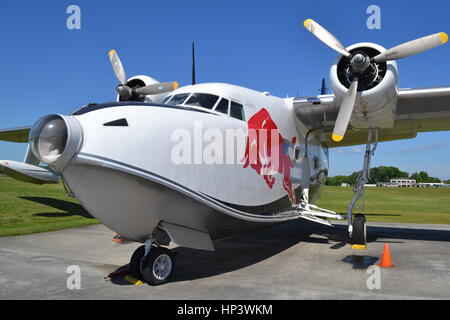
x,y
386,259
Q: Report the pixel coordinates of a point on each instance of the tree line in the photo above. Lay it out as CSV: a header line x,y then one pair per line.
x,y
383,174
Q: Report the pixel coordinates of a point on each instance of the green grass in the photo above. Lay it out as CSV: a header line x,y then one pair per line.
x,y
27,208
407,205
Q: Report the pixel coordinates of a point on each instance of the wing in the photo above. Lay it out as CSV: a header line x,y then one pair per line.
x,y
15,134
418,110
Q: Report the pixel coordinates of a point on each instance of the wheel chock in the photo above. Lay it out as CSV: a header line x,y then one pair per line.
x,y
359,246
133,281
116,274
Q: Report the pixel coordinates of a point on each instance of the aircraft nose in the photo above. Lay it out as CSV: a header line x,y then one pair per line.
x,y
55,139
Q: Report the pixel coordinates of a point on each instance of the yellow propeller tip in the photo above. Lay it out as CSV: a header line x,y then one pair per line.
x,y
175,85
337,138
111,52
307,22
444,37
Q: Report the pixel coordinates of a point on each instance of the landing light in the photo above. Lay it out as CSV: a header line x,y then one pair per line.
x,y
54,139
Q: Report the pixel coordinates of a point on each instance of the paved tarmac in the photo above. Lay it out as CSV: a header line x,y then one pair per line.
x,y
296,260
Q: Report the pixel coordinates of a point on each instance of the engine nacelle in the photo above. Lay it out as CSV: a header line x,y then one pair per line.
x,y
377,90
142,81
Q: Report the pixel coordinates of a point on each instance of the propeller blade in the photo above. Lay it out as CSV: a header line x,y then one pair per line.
x,y
157,88
118,67
345,112
323,35
412,47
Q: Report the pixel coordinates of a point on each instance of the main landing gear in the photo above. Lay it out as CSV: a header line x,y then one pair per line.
x,y
152,264
357,226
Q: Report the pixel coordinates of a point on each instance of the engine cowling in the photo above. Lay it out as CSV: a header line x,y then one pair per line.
x,y
142,81
377,89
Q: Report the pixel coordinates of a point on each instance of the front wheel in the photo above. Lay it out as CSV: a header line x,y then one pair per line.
x,y
135,263
157,266
359,233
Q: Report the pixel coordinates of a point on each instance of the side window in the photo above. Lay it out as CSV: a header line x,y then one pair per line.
x,y
166,99
178,99
223,106
237,111
202,100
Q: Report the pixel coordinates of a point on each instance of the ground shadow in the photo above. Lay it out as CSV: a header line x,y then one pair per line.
x,y
238,252
120,280
360,262
243,251
381,214
378,233
69,208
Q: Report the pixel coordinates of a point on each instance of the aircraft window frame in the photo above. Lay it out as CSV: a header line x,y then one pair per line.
x,y
242,111
167,99
188,95
218,98
228,107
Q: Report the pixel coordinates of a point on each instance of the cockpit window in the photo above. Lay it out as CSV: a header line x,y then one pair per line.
x,y
178,99
223,106
237,111
166,99
202,100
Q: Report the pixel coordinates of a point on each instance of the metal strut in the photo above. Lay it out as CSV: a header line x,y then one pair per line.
x,y
363,177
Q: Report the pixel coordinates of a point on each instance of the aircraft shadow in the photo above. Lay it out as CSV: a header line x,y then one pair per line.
x,y
69,208
377,234
242,251
237,252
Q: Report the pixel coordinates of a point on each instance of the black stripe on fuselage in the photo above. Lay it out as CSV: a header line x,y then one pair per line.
x,y
93,107
276,206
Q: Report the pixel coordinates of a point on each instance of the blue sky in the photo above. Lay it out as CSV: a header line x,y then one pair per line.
x,y
47,68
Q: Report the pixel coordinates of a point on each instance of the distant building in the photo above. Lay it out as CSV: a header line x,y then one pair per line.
x,y
398,183
404,182
431,185
410,183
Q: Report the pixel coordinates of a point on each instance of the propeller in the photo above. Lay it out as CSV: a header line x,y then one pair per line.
x,y
345,112
125,92
412,47
323,35
360,62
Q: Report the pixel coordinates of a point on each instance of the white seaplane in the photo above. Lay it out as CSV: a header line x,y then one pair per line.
x,y
117,159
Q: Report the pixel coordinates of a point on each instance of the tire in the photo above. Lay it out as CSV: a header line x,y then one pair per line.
x,y
135,263
152,272
359,234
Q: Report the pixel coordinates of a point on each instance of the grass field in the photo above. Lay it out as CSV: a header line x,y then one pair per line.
x,y
408,205
27,208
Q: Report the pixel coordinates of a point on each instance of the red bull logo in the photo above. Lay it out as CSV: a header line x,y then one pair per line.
x,y
266,152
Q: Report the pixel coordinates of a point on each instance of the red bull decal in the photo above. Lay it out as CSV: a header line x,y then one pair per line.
x,y
266,152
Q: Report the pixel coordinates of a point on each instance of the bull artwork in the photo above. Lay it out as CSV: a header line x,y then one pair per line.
x,y
265,152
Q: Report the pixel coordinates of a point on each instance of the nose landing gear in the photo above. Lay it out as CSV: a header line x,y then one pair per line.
x,y
152,264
